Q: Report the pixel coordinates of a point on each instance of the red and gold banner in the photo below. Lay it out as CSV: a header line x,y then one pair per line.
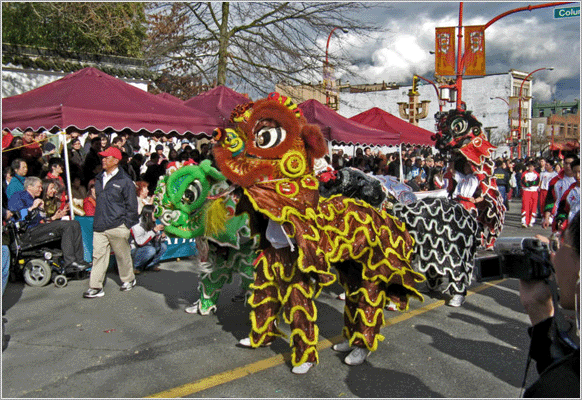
x,y
475,50
445,51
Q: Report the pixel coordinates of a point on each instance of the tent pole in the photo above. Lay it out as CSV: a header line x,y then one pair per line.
x,y
66,152
400,163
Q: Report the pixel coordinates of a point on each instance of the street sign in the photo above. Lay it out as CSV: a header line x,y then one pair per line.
x,y
566,12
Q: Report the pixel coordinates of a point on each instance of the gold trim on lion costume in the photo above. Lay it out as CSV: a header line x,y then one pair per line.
x,y
270,155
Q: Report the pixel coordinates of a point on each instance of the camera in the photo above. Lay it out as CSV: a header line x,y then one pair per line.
x,y
519,258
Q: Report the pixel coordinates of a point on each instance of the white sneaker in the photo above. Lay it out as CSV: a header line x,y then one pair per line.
x,y
342,347
390,306
128,285
456,301
357,356
302,369
246,342
195,309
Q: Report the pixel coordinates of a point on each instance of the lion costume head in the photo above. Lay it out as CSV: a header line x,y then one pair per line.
x,y
272,140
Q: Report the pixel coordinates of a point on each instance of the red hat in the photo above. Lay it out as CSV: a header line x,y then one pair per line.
x,y
111,151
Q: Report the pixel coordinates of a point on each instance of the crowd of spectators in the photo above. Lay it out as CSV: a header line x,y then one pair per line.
x,y
34,169
35,154
526,179
145,159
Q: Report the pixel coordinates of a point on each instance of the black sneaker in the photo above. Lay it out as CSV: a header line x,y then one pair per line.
x,y
92,293
128,285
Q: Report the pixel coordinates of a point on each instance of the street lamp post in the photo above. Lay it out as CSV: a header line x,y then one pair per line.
x,y
326,71
508,120
528,136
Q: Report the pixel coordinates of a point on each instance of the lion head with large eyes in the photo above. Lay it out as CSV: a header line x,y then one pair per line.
x,y
456,129
272,140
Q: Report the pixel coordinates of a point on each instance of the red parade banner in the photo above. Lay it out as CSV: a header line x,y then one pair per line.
x,y
445,51
475,50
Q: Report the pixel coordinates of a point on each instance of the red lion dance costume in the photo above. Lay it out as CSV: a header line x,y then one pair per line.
x,y
270,155
459,133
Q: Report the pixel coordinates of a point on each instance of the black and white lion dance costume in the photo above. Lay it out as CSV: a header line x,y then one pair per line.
x,y
446,234
446,241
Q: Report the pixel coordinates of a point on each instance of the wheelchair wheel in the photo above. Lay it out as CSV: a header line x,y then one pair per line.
x,y
60,281
37,273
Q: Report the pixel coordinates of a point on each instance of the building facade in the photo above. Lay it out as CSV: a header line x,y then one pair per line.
x,y
556,125
493,100
25,68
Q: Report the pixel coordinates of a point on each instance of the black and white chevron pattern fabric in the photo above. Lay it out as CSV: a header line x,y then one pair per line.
x,y
446,240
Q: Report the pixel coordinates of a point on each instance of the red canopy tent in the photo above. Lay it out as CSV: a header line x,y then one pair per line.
x,y
218,102
168,96
90,98
383,120
342,130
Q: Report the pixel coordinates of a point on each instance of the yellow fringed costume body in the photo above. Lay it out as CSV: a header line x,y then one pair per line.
x,y
370,249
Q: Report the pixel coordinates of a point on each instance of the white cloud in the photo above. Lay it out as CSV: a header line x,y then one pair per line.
x,y
524,41
543,91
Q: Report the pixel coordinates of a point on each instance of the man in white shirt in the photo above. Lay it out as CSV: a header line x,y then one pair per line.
x,y
546,176
467,185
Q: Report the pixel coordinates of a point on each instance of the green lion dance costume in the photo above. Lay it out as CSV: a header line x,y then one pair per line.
x,y
270,155
194,202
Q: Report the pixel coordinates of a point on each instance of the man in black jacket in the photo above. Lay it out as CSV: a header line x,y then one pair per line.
x,y
92,163
115,214
502,179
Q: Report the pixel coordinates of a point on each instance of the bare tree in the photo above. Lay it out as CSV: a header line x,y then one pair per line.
x,y
251,46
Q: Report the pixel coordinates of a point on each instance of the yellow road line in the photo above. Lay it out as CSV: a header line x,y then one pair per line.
x,y
249,369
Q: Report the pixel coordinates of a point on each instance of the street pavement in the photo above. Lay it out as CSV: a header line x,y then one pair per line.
x,y
141,343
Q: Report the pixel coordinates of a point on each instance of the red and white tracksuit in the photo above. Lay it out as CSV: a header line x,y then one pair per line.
x,y
530,183
545,178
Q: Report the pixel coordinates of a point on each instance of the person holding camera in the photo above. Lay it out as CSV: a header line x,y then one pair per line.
x,y
557,358
147,242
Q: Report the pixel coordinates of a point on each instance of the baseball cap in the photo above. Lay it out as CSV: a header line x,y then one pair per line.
x,y
185,141
159,147
111,151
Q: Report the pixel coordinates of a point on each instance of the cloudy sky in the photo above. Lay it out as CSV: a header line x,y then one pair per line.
x,y
524,41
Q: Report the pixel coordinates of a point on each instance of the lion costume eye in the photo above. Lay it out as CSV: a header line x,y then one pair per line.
x,y
192,193
267,138
459,125
166,217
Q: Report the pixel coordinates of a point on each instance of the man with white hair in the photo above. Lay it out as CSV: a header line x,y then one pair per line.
x,y
27,200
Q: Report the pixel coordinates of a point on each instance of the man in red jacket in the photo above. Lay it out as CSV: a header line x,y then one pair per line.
x,y
6,138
